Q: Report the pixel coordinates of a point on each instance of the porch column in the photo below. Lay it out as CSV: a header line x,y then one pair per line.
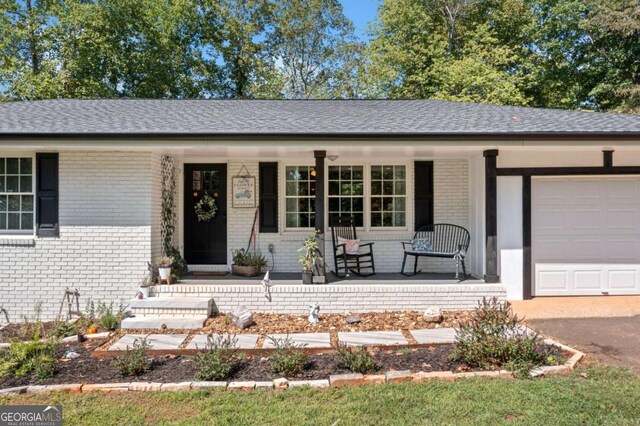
x,y
320,226
491,216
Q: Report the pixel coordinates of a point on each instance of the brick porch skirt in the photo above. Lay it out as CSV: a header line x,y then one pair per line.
x,y
338,298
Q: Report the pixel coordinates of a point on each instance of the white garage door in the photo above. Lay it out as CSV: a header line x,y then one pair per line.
x,y
586,235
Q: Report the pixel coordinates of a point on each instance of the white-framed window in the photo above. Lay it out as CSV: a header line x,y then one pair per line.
x,y
374,193
16,195
300,196
346,192
388,196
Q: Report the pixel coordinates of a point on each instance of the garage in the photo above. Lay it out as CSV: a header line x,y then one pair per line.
x,y
585,235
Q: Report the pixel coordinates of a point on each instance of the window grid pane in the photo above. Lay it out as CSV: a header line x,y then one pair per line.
x,y
300,191
16,194
346,192
388,196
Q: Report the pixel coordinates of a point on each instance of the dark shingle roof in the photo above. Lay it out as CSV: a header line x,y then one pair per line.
x,y
293,117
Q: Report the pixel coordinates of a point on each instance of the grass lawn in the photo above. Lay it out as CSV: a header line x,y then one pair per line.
x,y
607,396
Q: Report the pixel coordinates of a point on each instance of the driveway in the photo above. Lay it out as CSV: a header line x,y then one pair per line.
x,y
614,340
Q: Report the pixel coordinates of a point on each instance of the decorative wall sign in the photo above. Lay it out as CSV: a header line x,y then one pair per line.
x,y
243,190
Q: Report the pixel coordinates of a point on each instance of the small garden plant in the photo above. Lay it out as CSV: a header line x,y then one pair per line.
x,y
32,327
134,361
23,358
102,314
218,359
494,337
356,359
287,359
64,329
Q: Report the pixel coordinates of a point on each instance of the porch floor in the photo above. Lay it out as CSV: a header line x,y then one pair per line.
x,y
293,278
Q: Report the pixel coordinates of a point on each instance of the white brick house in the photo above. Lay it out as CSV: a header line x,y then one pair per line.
x,y
550,198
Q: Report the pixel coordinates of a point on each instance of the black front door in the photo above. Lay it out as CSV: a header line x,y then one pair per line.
x,y
205,241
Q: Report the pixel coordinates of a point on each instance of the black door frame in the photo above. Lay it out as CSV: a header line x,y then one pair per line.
x,y
527,173
185,194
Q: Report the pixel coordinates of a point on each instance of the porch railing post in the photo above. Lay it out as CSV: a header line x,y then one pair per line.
x,y
491,216
319,213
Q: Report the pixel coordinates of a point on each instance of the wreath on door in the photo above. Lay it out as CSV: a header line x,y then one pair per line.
x,y
206,208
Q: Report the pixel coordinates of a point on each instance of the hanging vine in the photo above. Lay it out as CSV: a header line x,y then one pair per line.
x,y
168,216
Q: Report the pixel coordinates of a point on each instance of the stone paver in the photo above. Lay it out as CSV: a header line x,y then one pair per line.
x,y
166,341
309,340
244,341
372,338
434,335
125,341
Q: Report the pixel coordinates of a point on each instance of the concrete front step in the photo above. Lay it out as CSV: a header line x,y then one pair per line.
x,y
176,307
159,322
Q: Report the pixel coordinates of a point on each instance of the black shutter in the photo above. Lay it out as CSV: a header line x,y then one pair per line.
x,y
423,185
47,195
268,197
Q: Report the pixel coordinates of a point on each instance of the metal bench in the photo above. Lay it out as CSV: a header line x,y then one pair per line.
x,y
446,241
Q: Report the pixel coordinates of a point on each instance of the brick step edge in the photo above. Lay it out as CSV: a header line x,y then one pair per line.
x,y
337,380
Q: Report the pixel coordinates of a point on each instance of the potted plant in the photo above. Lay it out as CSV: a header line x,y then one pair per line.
x,y
309,257
247,264
164,267
143,290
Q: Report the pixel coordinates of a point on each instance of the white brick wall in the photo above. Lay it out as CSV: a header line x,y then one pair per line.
x,y
105,236
451,205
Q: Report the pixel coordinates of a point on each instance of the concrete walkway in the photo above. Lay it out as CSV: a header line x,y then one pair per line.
x,y
578,307
308,340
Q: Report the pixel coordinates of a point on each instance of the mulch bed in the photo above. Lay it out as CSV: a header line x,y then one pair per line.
x,y
265,323
178,368
19,331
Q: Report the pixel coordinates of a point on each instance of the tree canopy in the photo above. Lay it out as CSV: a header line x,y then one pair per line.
x,y
572,54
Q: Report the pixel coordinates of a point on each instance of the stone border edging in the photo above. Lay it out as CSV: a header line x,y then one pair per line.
x,y
336,380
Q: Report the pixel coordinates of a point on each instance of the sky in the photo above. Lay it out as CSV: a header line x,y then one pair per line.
x,y
361,12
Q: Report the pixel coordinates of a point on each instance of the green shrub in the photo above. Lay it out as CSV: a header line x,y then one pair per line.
x,y
23,357
32,328
134,361
287,359
44,366
218,359
495,337
107,317
356,359
64,329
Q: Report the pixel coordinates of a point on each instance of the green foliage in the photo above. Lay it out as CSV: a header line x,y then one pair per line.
x,y
107,317
179,265
44,367
495,337
356,359
309,253
243,257
218,358
24,357
134,361
64,329
287,359
32,327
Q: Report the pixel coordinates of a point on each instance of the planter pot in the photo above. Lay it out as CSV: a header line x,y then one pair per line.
x,y
245,271
307,278
319,279
164,273
144,291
